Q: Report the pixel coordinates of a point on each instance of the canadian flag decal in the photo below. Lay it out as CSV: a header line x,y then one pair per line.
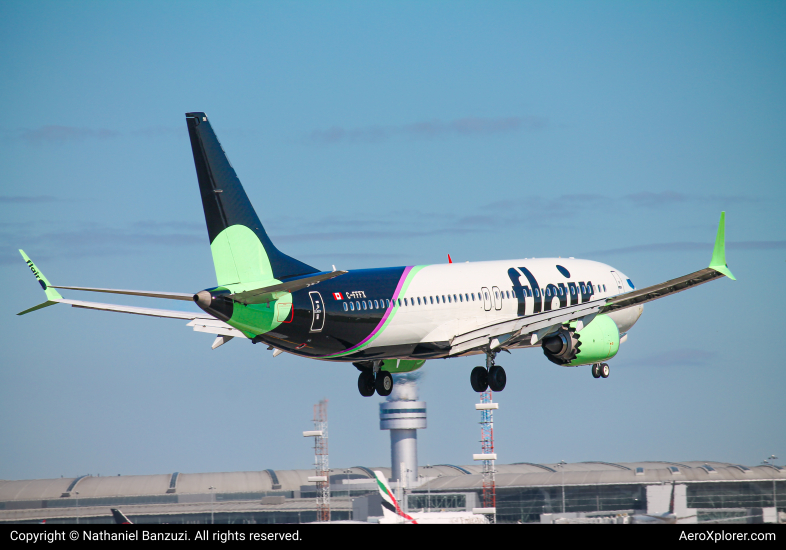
x,y
337,296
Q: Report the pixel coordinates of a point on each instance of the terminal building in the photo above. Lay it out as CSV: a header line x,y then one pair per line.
x,y
526,493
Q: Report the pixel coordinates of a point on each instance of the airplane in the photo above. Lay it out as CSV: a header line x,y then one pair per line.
x,y
391,320
667,518
392,512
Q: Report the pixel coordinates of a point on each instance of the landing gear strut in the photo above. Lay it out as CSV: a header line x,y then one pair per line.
x,y
374,379
492,376
600,370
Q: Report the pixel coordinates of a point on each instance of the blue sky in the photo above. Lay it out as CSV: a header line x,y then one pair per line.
x,y
374,134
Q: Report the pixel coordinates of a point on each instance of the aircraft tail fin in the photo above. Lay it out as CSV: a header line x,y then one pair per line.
x,y
120,517
242,250
390,508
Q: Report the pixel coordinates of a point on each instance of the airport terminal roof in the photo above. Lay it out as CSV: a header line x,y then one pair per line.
x,y
442,477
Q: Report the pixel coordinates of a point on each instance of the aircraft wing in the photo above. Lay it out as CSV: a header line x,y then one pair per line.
x,y
188,297
643,295
199,321
505,334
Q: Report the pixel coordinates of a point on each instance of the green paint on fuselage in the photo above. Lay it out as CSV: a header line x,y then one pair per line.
x,y
402,365
259,318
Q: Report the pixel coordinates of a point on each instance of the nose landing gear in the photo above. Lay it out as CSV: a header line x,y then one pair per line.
x,y
492,376
600,370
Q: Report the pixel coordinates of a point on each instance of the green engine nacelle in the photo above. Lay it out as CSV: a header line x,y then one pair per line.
x,y
402,365
596,342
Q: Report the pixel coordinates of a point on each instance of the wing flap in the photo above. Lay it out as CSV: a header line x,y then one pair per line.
x,y
166,313
518,329
215,326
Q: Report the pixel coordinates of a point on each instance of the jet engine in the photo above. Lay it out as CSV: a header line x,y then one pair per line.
x,y
596,342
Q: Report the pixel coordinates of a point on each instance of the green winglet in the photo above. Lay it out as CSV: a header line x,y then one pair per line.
x,y
718,262
51,293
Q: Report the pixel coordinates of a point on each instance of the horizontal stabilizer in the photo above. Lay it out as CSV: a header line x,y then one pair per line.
x,y
269,293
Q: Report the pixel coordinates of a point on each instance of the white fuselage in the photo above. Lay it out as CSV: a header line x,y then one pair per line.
x,y
446,300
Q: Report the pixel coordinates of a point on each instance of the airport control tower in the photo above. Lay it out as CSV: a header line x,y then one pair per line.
x,y
403,415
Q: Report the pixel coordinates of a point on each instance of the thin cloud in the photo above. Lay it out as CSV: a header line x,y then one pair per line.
x,y
683,246
9,199
468,126
61,134
648,199
677,358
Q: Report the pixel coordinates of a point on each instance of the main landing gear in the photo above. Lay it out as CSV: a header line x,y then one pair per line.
x,y
600,370
374,379
491,376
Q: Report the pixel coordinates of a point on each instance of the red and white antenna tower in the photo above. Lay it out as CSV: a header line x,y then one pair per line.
x,y
322,477
488,456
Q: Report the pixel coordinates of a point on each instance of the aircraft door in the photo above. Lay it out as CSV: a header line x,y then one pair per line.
x,y
317,311
486,298
618,280
496,294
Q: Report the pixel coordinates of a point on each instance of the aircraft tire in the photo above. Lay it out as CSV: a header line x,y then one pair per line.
x,y
479,379
497,378
384,383
596,370
366,383
604,370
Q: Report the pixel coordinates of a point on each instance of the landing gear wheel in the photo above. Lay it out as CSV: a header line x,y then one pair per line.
x,y
497,378
604,370
596,370
384,383
366,383
479,379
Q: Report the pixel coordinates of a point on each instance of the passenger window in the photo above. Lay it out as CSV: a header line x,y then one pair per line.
x,y
352,306
346,307
376,304
357,306
604,288
467,297
364,305
399,302
461,298
537,295
418,300
431,299
487,295
454,298
583,288
449,299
